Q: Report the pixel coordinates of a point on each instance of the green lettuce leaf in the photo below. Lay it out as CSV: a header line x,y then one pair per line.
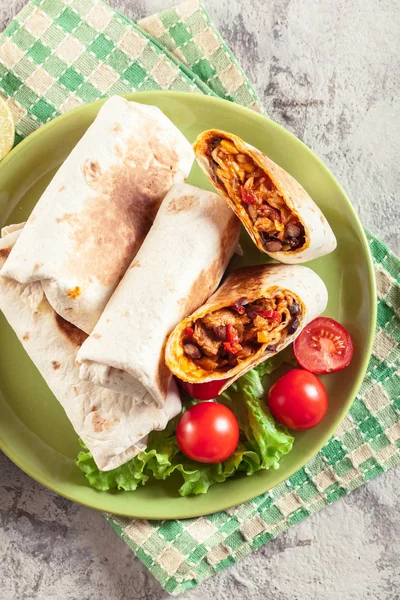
x,y
262,442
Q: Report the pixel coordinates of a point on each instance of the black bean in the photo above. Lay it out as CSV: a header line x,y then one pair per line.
x,y
273,246
220,332
192,351
294,243
214,143
266,237
292,230
240,303
293,325
271,347
294,308
251,311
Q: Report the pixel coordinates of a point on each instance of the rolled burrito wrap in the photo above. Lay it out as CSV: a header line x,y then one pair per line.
x,y
280,217
95,213
178,267
259,294
113,426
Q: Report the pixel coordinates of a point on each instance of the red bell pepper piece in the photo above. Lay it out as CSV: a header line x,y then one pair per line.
x,y
248,196
232,344
188,333
270,314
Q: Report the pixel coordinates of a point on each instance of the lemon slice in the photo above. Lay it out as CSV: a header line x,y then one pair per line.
x,y
7,128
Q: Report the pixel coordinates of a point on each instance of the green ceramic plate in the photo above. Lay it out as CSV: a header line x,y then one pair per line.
x,y
34,431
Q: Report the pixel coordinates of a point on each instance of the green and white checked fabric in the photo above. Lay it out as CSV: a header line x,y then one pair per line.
x,y
57,55
181,554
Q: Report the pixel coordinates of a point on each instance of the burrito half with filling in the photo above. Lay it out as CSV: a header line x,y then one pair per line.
x,y
94,215
255,314
179,265
280,217
113,426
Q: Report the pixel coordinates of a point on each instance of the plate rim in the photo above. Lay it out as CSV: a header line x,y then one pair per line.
x,y
371,286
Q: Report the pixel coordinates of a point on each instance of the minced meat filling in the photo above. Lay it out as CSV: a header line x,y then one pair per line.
x,y
221,339
248,185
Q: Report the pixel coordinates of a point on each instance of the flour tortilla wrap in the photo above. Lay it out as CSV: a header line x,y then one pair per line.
x,y
94,215
178,267
113,426
258,289
280,217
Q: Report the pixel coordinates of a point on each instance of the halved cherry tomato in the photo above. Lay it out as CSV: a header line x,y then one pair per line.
x,y
324,346
298,400
208,432
203,391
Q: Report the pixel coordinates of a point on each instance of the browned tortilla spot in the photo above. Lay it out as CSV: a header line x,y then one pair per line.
x,y
117,218
135,263
62,188
117,128
74,292
26,336
164,155
101,424
5,252
37,266
322,219
56,365
96,336
182,203
75,335
91,171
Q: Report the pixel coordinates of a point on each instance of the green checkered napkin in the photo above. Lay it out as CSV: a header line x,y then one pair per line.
x,y
55,56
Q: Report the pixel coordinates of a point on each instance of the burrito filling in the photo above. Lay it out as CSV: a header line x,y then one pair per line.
x,y
223,338
249,186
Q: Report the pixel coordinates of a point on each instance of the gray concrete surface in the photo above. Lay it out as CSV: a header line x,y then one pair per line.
x,y
329,72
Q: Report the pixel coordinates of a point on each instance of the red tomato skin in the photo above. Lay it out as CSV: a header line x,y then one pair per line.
x,y
308,357
298,400
203,391
208,432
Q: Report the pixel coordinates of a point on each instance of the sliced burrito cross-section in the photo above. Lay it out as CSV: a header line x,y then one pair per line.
x,y
113,426
178,267
95,213
279,215
256,313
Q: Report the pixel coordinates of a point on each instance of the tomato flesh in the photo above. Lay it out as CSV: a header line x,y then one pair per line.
x,y
324,346
298,400
203,391
208,432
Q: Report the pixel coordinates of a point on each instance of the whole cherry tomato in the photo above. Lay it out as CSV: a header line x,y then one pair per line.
x,y
208,432
298,400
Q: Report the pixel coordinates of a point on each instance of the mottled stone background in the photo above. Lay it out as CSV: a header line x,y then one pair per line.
x,y
329,72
